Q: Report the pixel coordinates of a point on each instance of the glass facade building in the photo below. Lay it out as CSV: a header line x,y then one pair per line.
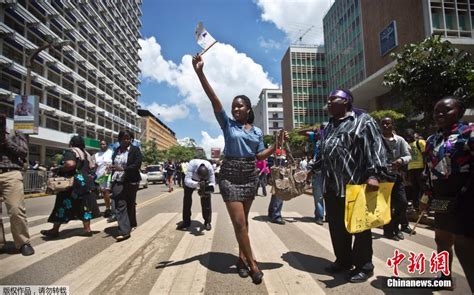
x,y
305,86
344,44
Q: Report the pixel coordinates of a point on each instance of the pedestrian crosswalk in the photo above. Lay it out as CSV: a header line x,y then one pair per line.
x,y
184,263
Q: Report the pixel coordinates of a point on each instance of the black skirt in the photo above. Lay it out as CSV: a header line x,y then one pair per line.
x,y
238,179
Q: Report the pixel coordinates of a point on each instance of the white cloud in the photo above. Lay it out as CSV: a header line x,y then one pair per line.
x,y
268,43
295,17
209,142
229,72
168,113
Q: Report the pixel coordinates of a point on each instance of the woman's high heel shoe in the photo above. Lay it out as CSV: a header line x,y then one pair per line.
x,y
242,268
256,276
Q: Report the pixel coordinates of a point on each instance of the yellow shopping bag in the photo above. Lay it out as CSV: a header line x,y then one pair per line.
x,y
366,210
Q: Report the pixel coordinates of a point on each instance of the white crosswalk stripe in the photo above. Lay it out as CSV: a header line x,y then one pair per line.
x,y
268,247
7,225
181,276
89,275
191,277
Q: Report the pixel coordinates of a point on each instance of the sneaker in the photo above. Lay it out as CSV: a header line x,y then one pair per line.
x,y
319,221
207,226
27,250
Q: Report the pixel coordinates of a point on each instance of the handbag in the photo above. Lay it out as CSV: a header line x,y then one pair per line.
x,y
288,180
365,210
59,184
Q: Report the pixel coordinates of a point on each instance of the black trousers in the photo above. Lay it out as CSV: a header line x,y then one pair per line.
x,y
125,197
415,177
360,254
188,202
399,205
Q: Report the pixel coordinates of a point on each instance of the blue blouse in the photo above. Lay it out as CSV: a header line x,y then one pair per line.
x,y
239,143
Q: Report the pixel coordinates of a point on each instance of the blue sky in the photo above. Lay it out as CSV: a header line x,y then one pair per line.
x,y
253,37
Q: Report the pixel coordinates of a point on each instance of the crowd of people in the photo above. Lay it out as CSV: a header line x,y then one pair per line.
x,y
353,148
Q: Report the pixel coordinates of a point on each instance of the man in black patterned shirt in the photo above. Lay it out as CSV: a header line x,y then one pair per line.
x,y
352,152
13,150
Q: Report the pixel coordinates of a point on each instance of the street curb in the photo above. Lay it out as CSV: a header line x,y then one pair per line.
x,y
38,195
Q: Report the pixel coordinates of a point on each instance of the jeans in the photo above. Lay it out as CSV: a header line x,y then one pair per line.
x,y
317,184
262,181
274,208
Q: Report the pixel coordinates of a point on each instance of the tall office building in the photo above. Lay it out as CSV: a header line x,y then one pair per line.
x,y
360,35
88,87
269,111
305,88
343,44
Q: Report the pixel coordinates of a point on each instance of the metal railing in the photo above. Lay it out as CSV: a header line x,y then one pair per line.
x,y
35,181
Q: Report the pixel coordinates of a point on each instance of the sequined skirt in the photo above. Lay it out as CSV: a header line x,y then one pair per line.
x,y
238,179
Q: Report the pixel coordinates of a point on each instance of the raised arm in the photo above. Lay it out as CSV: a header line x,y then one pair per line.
x,y
198,65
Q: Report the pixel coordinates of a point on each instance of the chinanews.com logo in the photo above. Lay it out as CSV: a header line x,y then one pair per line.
x,y
438,263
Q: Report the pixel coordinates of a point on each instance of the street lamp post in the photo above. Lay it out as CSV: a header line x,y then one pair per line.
x,y
31,57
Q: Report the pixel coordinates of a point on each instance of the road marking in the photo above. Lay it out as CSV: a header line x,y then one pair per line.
x,y
268,247
188,278
17,262
321,235
29,219
93,272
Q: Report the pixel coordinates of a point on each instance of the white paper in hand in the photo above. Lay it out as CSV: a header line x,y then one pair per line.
x,y
203,38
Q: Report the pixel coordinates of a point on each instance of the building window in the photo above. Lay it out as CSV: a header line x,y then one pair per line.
x,y
67,127
52,123
275,124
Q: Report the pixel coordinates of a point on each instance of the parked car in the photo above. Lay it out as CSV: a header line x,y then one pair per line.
x,y
155,173
144,182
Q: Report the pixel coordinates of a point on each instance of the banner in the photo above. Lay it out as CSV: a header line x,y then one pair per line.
x,y
203,38
26,114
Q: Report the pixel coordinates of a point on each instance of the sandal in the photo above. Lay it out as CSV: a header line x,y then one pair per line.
x,y
242,268
256,276
49,233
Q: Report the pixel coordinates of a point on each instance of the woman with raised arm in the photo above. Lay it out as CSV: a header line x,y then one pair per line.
x,y
238,177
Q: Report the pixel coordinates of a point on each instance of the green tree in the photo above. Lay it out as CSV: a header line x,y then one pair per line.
x,y
180,153
428,71
268,140
399,119
150,152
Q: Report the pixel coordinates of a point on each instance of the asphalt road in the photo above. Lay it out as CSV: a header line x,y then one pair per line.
x,y
158,259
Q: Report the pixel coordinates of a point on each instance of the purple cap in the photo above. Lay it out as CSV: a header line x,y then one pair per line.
x,y
342,94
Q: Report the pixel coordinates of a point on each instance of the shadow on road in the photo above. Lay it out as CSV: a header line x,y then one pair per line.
x,y
223,263
313,264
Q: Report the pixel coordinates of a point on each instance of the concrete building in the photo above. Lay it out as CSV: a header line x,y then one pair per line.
x,y
305,88
269,111
88,87
361,34
154,129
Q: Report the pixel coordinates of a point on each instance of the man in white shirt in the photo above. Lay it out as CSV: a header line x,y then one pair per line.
x,y
199,175
103,159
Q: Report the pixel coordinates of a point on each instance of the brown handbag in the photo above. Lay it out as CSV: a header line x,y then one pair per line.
x,y
59,184
288,180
